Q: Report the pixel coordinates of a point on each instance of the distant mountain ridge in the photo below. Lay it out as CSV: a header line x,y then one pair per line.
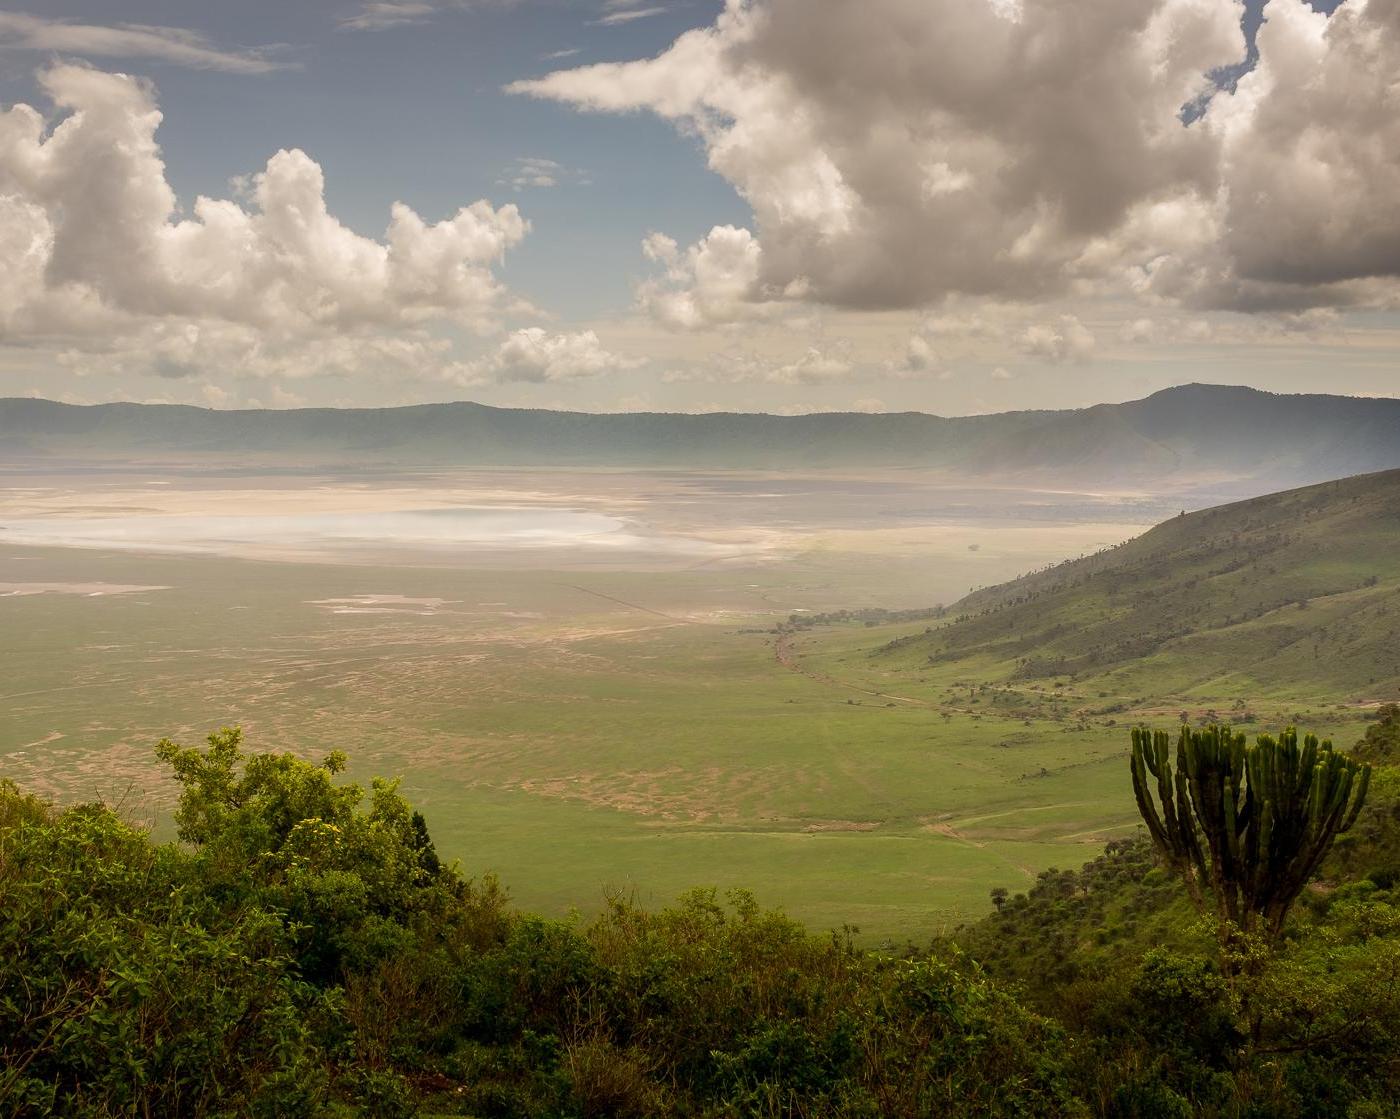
x,y
1196,432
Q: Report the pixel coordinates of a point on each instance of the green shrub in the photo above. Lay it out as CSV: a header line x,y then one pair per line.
x,y
306,953
124,990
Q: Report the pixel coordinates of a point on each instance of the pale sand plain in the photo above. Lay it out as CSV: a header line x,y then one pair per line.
x,y
579,519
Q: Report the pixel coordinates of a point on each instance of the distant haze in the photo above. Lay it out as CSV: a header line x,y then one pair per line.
x,y
1203,438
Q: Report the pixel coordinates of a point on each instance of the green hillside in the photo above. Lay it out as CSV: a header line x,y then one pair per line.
x,y
1205,434
1295,594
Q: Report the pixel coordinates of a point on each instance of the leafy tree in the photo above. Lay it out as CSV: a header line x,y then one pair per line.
x,y
304,953
1248,824
355,884
126,990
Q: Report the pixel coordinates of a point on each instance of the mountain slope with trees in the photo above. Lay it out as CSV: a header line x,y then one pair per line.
x,y
1295,593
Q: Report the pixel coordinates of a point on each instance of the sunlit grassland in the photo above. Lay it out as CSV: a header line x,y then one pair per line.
x,y
582,733
569,743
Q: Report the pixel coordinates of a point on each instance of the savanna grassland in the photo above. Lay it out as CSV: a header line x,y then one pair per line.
x,y
578,722
696,709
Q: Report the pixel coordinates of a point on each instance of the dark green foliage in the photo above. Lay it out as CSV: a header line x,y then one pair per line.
x,y
306,949
731,1002
382,1094
125,990
1250,825
1371,849
1062,931
1148,1098
1186,1020
1162,1031
305,953
356,886
1367,858
715,1008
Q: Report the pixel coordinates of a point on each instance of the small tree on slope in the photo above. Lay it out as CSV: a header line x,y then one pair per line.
x,y
1247,824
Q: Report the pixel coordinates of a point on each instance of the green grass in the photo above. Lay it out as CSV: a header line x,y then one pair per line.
x,y
583,748
576,745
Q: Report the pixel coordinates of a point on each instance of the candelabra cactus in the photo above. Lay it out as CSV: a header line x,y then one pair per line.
x,y
1247,824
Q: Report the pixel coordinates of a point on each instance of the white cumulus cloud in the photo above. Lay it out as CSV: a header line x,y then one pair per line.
x,y
1064,340
535,356
895,151
712,282
96,254
1310,213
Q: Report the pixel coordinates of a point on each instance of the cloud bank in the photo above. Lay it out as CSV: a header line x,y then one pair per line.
x,y
96,255
897,152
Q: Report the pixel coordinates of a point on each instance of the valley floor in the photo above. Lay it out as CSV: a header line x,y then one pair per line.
x,y
638,724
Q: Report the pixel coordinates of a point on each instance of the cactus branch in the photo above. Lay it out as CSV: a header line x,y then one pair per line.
x,y
1248,824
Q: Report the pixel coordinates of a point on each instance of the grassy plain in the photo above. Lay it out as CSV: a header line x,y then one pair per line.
x,y
580,727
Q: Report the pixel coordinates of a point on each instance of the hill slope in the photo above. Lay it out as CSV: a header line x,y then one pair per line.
x,y
1198,433
1296,593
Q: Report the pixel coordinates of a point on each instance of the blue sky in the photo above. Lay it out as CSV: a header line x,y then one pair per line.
x,y
938,205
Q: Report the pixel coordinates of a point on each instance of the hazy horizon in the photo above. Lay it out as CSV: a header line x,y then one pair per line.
x,y
287,407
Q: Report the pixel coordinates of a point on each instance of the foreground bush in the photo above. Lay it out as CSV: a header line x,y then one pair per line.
x,y
124,990
304,952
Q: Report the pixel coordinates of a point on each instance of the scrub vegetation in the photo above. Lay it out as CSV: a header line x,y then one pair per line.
x,y
302,949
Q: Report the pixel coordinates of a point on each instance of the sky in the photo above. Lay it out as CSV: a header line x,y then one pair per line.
x,y
950,206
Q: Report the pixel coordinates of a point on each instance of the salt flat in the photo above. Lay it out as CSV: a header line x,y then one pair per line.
x,y
90,590
564,520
